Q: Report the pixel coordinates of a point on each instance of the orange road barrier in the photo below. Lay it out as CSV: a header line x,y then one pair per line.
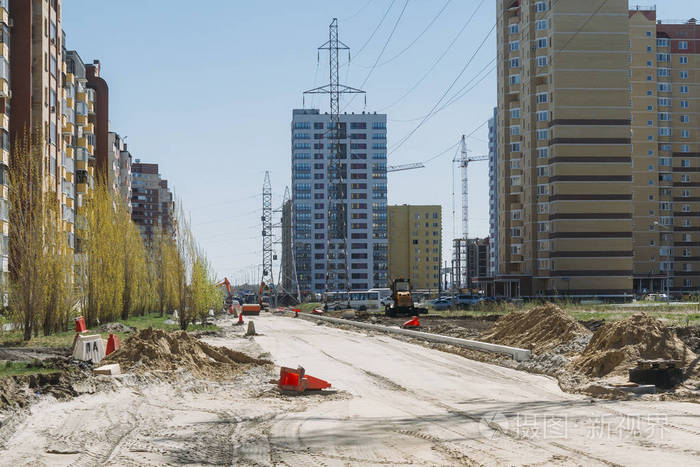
x,y
412,323
80,324
112,344
297,380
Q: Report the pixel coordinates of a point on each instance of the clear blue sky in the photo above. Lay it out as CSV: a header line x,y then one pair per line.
x,y
206,90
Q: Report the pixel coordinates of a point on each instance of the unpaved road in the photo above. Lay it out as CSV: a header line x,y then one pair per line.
x,y
398,403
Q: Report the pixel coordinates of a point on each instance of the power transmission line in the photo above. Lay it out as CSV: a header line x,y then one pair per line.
x,y
439,13
456,96
464,68
391,34
359,51
362,8
435,64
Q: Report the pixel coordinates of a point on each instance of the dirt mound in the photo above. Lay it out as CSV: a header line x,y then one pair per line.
x,y
153,349
115,327
616,346
539,329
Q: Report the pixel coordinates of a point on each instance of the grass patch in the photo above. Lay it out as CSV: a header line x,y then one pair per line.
x,y
307,307
8,368
65,339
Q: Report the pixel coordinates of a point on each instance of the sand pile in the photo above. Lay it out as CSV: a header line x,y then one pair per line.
x,y
153,349
539,329
616,346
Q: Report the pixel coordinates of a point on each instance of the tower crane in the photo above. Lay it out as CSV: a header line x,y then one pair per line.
x,y
464,161
462,258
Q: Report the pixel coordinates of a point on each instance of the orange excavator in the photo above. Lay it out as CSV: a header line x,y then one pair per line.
x,y
228,301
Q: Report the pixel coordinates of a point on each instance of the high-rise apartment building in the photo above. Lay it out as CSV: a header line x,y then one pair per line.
x,y
493,193
119,168
362,153
415,244
40,80
287,263
99,118
78,131
664,61
565,198
151,201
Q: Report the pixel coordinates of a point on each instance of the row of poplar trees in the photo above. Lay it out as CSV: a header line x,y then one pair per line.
x,y
112,274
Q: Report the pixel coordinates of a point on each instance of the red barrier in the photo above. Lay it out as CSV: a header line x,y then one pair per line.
x,y
80,324
112,344
412,323
296,380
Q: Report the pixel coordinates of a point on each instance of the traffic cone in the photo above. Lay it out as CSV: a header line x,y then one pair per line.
x,y
240,320
412,323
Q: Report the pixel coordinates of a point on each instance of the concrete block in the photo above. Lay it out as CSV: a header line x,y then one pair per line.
x,y
90,348
110,370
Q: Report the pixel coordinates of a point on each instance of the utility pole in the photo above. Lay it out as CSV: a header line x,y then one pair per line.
x,y
336,224
267,231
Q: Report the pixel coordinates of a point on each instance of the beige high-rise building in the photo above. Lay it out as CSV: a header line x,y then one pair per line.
x,y
597,148
664,79
415,244
565,202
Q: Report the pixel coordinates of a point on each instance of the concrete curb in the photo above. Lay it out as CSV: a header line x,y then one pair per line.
x,y
519,355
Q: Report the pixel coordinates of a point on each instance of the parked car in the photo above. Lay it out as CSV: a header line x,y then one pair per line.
x,y
440,304
467,300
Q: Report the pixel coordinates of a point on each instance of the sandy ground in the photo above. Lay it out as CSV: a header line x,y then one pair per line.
x,y
397,403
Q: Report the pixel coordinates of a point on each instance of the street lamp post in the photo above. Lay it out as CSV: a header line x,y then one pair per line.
x,y
668,270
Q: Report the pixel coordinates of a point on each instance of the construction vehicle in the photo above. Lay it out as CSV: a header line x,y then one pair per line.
x,y
228,300
402,299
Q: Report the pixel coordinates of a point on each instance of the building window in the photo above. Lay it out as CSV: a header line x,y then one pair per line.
x,y
515,113
542,134
515,130
685,119
683,45
684,104
542,116
515,63
684,89
540,7
542,43
514,147
514,45
540,25
542,171
542,61
684,75
685,134
683,60
513,28
542,97
542,189
542,153
514,79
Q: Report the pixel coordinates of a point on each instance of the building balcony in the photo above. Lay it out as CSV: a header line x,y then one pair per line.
x,y
81,97
81,120
69,102
70,78
82,143
4,15
81,188
68,128
89,129
4,88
